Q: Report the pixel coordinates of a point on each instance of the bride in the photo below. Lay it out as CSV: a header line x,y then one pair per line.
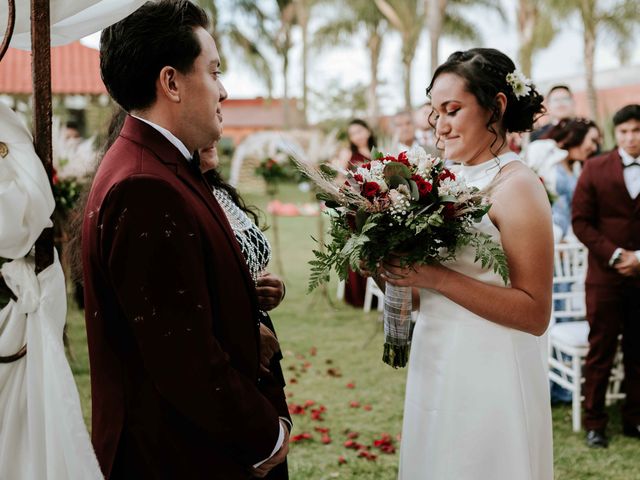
x,y
477,398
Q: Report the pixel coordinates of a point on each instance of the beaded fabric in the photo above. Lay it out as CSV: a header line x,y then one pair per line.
x,y
253,244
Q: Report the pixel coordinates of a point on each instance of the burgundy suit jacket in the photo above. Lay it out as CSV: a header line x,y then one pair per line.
x,y
172,322
605,217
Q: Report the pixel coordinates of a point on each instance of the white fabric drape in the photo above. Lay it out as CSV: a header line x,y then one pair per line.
x,y
70,19
43,436
42,433
26,201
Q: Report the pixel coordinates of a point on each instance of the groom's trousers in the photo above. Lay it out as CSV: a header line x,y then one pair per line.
x,y
612,311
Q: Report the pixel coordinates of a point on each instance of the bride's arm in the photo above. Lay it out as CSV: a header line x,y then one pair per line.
x,y
521,212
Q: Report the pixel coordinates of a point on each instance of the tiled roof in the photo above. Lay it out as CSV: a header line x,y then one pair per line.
x,y
75,69
258,113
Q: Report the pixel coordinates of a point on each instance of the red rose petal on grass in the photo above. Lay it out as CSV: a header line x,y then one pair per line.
x,y
313,351
367,455
309,403
289,394
306,365
334,372
292,368
325,439
353,435
300,356
354,404
316,414
341,460
352,445
368,408
322,408
351,385
385,444
295,409
293,380
321,429
300,437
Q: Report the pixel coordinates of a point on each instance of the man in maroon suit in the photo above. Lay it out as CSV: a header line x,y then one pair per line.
x,y
171,309
606,218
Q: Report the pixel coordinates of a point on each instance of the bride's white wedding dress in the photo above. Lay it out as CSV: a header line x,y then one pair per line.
x,y
477,400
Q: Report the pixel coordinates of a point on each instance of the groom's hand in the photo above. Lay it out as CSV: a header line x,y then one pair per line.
x,y
277,458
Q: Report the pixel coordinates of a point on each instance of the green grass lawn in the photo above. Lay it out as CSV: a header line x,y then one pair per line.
x,y
328,346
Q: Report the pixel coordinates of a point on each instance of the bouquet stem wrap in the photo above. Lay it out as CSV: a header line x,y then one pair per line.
x,y
397,325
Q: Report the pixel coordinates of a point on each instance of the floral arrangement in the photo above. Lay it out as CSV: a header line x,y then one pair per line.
x,y
407,205
410,204
277,169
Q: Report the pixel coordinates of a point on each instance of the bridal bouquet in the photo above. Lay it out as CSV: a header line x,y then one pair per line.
x,y
409,206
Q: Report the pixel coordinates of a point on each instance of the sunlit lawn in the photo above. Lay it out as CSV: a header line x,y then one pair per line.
x,y
328,345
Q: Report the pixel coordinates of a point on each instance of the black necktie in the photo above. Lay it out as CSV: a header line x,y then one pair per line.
x,y
195,160
632,164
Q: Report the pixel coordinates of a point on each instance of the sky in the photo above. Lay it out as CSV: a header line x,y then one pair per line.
x,y
348,65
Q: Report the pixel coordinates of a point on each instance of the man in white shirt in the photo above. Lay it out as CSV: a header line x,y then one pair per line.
x,y
606,218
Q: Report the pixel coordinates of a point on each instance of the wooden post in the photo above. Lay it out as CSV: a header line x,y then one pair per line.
x,y
41,73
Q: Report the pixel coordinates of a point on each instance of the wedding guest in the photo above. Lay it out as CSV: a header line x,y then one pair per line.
x,y
172,311
560,106
606,218
558,159
361,141
404,132
425,134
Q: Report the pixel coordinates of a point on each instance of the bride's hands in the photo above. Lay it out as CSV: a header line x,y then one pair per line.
x,y
420,276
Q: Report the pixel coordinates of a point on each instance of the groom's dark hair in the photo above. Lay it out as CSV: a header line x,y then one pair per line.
x,y
134,50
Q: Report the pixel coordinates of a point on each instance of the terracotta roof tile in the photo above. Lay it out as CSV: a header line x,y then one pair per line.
x,y
75,69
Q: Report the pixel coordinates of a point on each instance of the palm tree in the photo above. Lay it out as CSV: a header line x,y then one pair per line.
x,y
271,31
408,18
444,19
617,21
535,31
303,14
351,19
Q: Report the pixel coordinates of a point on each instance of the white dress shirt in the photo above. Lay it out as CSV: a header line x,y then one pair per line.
x,y
175,141
180,146
632,182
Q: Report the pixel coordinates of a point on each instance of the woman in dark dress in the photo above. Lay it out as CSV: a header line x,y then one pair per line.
x,y
361,141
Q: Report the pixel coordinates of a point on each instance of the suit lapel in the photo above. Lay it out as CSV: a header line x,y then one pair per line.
x,y
168,154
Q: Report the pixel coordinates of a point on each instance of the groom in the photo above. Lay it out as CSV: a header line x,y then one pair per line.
x,y
171,309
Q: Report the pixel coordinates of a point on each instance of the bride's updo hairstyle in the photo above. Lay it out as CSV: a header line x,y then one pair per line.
x,y
485,72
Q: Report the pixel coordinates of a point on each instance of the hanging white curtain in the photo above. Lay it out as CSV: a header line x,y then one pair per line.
x,y
42,432
70,19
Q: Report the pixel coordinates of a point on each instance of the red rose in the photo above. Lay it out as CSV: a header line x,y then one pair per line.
x,y
366,165
370,189
424,187
358,178
402,158
446,173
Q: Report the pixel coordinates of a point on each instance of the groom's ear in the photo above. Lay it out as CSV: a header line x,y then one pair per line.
x,y
167,84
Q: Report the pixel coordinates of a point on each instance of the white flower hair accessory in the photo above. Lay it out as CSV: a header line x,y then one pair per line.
x,y
520,84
